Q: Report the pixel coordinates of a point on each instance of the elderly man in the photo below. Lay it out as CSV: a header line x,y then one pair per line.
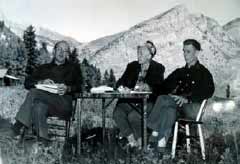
x,y
39,104
144,75
184,90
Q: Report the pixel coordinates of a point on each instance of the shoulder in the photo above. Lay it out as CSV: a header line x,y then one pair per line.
x,y
157,64
204,69
132,64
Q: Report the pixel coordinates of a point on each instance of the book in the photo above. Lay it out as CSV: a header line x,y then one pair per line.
x,y
52,88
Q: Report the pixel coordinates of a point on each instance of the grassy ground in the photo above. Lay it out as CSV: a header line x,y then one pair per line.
x,y
222,133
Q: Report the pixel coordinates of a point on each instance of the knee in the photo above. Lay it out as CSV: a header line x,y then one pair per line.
x,y
118,110
40,108
134,117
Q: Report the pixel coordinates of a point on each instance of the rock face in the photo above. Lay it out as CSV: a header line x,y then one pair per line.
x,y
168,30
233,29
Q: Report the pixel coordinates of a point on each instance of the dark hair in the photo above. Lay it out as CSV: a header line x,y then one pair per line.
x,y
151,48
194,43
57,44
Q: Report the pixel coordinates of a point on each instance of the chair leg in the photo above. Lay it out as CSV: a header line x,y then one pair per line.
x,y
174,144
67,129
202,144
187,138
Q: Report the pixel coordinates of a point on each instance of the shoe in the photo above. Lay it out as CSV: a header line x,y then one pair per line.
x,y
44,141
132,141
152,142
13,133
162,143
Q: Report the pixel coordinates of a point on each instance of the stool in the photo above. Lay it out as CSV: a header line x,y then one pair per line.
x,y
187,123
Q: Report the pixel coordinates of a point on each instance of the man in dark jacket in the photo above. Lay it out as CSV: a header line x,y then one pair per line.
x,y
184,90
143,75
39,104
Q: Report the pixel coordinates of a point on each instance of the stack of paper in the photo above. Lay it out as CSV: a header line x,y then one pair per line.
x,y
52,88
101,89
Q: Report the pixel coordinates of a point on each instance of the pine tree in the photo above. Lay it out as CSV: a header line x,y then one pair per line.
x,y
30,45
73,56
106,77
112,79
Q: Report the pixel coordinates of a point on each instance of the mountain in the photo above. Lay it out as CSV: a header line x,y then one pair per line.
x,y
168,30
233,29
12,50
42,34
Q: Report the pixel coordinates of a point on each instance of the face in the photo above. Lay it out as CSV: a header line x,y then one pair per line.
x,y
143,54
61,53
190,54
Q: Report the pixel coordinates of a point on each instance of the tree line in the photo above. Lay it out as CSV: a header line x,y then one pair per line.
x,y
28,57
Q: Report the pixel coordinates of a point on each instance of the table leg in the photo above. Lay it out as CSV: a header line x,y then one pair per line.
x,y
79,116
145,124
103,119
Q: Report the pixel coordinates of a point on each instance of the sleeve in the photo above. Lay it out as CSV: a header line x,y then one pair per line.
x,y
123,79
157,79
204,90
170,83
33,79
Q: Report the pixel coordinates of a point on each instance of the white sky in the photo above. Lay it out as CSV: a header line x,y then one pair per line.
x,y
87,20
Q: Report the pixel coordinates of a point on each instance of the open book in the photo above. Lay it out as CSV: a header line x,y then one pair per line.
x,y
52,88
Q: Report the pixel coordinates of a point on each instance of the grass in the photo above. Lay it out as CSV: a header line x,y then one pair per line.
x,y
221,130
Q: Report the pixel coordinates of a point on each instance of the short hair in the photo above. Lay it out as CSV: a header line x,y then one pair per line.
x,y
57,44
194,43
151,48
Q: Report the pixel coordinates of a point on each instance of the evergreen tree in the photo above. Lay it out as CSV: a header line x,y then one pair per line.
x,y
112,79
73,56
30,45
1,25
106,78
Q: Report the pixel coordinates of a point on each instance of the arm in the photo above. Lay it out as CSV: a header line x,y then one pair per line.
x,y
77,83
170,83
157,78
205,89
122,80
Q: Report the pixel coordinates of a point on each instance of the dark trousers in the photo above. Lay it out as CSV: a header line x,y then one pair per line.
x,y
38,105
164,114
129,119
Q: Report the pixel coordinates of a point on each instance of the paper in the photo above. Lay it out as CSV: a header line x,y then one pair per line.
x,y
143,92
101,89
48,87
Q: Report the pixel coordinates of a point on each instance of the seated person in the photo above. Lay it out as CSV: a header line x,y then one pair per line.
x,y
184,90
40,104
143,75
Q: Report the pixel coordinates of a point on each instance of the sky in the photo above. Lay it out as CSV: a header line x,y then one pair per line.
x,y
87,20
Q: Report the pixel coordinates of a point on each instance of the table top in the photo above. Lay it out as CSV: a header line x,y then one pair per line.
x,y
115,94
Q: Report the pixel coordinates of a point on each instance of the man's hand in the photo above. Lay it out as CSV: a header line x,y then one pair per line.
x,y
62,89
180,100
46,81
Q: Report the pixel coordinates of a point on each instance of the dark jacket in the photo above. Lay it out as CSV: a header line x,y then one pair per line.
x,y
194,83
68,73
154,76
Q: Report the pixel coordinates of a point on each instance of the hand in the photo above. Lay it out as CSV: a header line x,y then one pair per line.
x,y
62,89
142,87
180,100
46,81
123,89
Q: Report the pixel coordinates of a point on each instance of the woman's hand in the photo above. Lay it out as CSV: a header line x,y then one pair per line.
x,y
123,89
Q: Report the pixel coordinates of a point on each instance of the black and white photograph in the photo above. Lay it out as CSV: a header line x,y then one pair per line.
x,y
119,81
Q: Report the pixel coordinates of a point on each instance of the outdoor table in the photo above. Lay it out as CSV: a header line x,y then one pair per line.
x,y
112,96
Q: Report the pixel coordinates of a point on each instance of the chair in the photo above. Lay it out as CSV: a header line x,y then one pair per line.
x,y
56,125
187,123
